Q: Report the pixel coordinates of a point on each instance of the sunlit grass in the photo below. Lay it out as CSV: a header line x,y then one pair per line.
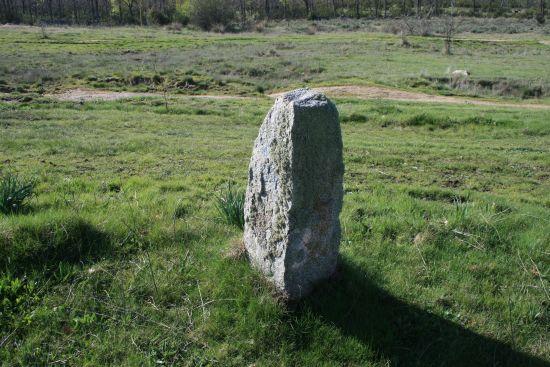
x,y
445,237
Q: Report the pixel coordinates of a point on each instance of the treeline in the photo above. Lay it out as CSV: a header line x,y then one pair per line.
x,y
208,13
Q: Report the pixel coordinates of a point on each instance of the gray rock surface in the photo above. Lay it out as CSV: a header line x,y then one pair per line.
x,y
294,194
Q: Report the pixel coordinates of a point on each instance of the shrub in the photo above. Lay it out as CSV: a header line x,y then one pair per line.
x,y
181,18
231,206
157,17
260,89
207,13
14,191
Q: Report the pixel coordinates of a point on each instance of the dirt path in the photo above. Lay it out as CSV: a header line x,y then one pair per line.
x,y
363,92
377,92
85,95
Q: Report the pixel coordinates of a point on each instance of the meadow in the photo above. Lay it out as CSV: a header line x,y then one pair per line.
x,y
191,62
121,256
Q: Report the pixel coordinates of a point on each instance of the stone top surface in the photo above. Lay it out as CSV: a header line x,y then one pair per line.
x,y
304,97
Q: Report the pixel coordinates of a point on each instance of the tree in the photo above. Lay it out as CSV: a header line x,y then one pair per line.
x,y
449,30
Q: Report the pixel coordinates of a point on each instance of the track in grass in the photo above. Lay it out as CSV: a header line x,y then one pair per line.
x,y
357,91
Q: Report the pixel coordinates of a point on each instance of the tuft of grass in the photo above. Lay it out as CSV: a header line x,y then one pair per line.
x,y
180,211
231,206
355,117
14,192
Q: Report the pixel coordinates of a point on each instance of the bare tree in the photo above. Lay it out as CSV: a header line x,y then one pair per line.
x,y
449,30
227,12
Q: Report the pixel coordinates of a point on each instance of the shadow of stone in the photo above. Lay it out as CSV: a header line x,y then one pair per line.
x,y
401,332
43,246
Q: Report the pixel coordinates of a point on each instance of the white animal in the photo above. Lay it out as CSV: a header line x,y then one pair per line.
x,y
460,74
459,78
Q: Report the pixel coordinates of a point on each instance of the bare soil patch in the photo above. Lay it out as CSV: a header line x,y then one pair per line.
x,y
85,95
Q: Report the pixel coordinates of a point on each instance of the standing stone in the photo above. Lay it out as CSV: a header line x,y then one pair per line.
x,y
294,194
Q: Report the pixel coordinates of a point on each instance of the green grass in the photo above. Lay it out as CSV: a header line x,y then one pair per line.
x,y
189,62
121,257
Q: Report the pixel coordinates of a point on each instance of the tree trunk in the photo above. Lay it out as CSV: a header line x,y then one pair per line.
x,y
242,7
267,9
120,11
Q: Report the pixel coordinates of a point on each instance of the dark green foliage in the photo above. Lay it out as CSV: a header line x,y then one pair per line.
x,y
438,195
155,16
230,205
14,192
17,296
181,211
432,121
212,13
354,117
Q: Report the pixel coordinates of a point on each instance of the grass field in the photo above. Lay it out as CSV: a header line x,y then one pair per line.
x,y
121,257
189,62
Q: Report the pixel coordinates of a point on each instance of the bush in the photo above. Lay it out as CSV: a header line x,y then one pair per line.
x,y
181,18
207,13
231,206
157,17
14,191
